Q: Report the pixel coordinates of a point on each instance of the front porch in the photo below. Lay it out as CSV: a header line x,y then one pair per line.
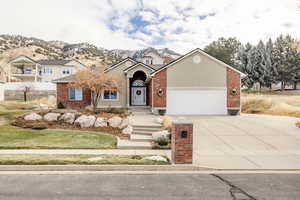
x,y
139,90
24,69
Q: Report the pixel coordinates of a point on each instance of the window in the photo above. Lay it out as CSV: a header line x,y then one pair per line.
x,y
139,83
75,94
110,95
147,61
47,70
67,71
28,71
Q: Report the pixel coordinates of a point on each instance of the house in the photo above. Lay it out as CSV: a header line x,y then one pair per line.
x,y
151,58
25,69
195,83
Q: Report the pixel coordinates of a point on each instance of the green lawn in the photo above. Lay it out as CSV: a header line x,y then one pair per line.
x,y
18,138
38,159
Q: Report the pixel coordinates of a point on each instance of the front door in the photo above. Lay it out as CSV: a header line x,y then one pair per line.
x,y
138,96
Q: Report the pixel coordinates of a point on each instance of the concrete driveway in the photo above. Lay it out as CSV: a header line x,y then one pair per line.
x,y
246,142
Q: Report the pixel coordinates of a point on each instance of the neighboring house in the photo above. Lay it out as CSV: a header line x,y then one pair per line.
x,y
195,83
151,58
25,69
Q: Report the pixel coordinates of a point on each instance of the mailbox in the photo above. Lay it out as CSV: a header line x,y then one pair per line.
x,y
182,142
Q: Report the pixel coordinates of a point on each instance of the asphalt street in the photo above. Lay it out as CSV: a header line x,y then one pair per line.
x,y
156,186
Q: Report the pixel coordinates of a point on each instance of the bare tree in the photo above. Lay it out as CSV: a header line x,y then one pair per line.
x,y
96,80
26,88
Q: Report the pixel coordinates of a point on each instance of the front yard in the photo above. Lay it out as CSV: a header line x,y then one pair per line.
x,y
19,138
45,159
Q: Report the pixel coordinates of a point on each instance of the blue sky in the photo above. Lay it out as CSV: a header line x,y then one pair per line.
x,y
133,24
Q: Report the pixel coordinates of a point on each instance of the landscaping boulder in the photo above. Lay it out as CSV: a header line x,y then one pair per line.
x,y
44,106
125,122
128,130
32,117
50,117
100,122
158,120
68,118
85,121
115,121
89,108
159,134
156,158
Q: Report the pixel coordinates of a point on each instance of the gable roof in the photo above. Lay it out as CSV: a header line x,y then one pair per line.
x,y
30,59
119,63
201,52
53,62
139,63
65,79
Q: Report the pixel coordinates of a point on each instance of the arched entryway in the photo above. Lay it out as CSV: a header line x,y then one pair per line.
x,y
138,89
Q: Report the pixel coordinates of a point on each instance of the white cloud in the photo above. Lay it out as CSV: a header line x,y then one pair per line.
x,y
177,21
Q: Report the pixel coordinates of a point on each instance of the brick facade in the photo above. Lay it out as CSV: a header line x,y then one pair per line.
x,y
63,97
233,82
160,82
150,93
182,147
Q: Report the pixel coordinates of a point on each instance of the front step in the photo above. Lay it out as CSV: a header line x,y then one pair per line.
x,y
147,126
142,132
141,138
128,144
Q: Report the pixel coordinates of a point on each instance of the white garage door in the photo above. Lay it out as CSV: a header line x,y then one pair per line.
x,y
196,102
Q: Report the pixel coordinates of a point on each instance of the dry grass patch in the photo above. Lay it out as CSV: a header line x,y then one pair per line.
x,y
283,105
46,159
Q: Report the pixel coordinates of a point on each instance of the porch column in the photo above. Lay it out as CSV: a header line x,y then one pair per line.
x,y
9,73
36,73
127,91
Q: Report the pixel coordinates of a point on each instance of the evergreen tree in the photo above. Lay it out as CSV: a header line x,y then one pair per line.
x,y
270,76
286,60
224,49
242,63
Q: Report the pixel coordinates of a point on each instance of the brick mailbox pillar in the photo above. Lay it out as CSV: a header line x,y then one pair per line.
x,y
182,142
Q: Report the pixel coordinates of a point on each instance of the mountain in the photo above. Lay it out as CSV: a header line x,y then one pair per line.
x,y
165,52
12,46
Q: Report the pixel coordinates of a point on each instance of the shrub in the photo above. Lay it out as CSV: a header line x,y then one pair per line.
x,y
60,106
163,141
137,157
167,122
113,110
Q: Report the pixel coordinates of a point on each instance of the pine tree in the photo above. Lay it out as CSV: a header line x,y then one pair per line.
x,y
242,64
271,74
286,60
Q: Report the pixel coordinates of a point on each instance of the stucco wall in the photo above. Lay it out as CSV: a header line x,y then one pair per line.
x,y
122,94
57,71
186,73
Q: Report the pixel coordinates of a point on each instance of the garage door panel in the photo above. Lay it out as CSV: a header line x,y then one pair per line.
x,y
196,102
